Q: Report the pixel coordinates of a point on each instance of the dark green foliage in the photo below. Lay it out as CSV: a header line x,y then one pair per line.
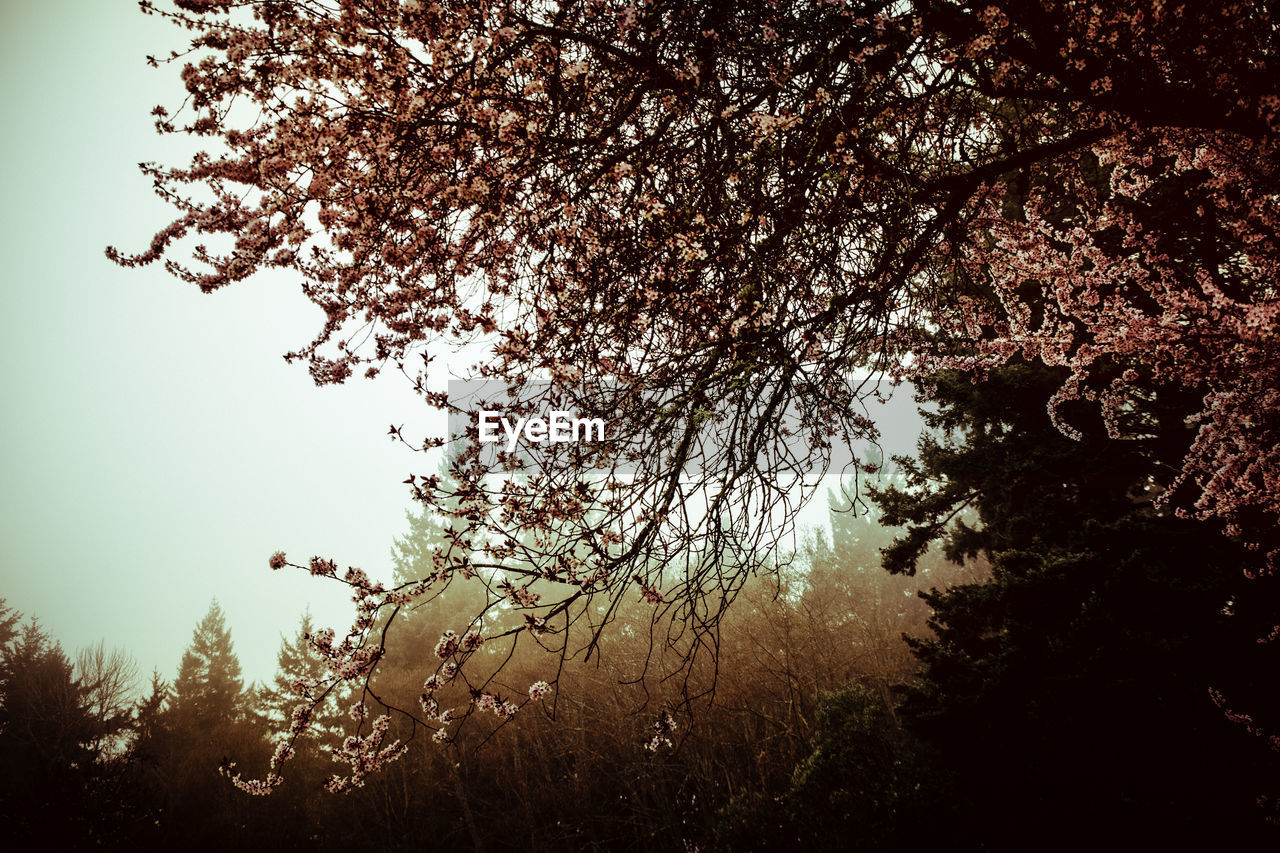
x,y
1071,689
867,785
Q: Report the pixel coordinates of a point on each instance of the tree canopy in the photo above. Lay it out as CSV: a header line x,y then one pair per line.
x,y
711,222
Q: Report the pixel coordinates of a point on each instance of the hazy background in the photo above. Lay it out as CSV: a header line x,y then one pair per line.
x,y
154,447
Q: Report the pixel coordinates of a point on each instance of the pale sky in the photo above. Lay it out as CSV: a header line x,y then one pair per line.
x,y
155,449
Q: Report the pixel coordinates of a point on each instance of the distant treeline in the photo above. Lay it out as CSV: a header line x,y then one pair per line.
x,y
1013,649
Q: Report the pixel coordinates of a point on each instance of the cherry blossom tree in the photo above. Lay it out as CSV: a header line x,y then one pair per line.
x,y
1147,261
716,225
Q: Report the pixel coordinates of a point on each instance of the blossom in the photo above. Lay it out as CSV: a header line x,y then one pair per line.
x,y
663,727
447,645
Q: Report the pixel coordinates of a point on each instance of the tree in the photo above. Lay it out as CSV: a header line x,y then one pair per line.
x,y
209,690
706,221
1079,678
107,681
64,729
46,734
870,610
866,785
298,664
205,729
10,620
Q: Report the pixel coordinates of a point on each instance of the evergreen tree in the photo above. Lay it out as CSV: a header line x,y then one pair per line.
x,y
206,725
147,769
209,689
149,712
300,810
151,733
867,785
1071,689
9,620
46,733
859,606
298,661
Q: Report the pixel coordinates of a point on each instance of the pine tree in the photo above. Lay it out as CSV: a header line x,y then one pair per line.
x,y
9,619
46,732
1075,680
207,725
151,730
209,690
298,661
